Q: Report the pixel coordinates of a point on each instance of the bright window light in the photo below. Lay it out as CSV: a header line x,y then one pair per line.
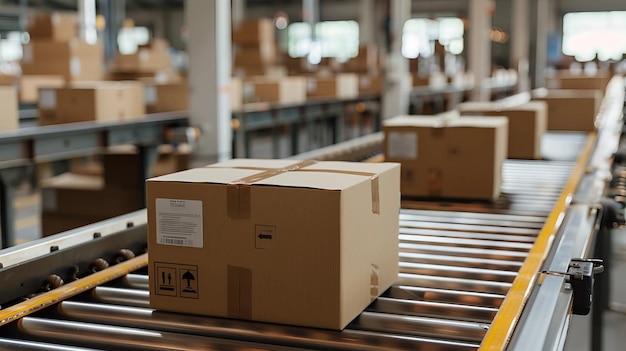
x,y
419,36
11,47
590,34
129,38
333,39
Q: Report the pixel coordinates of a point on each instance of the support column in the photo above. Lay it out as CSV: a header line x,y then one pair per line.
x,y
114,12
541,56
479,59
209,47
311,15
520,43
398,78
367,22
238,11
87,21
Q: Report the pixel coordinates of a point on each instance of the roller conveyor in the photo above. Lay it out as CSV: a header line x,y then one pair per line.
x,y
467,270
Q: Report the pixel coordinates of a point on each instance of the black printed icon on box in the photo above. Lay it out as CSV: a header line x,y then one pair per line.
x,y
189,282
166,279
264,236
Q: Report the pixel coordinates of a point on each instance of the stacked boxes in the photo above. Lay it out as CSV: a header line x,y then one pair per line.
x,y
371,84
527,124
114,185
288,90
343,86
96,101
365,62
150,58
30,84
165,97
446,157
255,44
281,241
54,49
573,110
8,109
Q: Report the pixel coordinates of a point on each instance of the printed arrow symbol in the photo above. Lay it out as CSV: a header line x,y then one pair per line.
x,y
265,236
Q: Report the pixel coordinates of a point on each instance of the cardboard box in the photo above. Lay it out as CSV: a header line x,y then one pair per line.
x,y
254,31
53,223
365,61
8,79
279,241
53,26
527,124
371,84
75,60
263,54
272,71
165,97
569,80
574,110
86,195
162,76
343,86
96,101
30,85
448,157
146,59
9,118
289,90
171,159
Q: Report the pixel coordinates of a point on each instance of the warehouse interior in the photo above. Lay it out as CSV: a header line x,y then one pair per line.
x,y
312,175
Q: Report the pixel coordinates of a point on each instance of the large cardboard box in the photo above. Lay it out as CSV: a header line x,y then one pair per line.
x,y
254,31
288,90
53,26
95,101
343,86
271,71
9,118
75,59
527,124
279,241
165,97
366,60
569,80
53,223
371,84
30,85
264,54
148,58
446,157
86,195
574,110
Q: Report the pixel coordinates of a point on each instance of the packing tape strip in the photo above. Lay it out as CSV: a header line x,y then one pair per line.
x,y
374,291
239,290
238,191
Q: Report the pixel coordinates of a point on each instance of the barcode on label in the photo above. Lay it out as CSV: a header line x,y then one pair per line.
x,y
175,241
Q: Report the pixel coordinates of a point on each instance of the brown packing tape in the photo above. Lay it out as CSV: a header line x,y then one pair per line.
x,y
238,191
435,182
374,291
239,285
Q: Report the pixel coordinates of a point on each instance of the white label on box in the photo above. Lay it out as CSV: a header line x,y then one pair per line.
x,y
179,222
56,19
248,90
311,85
49,199
144,55
27,53
47,98
75,66
402,145
150,94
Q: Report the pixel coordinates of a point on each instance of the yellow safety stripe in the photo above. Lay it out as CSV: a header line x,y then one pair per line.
x,y
66,291
501,330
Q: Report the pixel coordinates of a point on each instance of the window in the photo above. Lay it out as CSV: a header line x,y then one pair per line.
x,y
587,34
11,47
128,39
334,39
419,36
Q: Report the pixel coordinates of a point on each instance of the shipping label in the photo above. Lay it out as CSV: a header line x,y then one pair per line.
x,y
179,222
